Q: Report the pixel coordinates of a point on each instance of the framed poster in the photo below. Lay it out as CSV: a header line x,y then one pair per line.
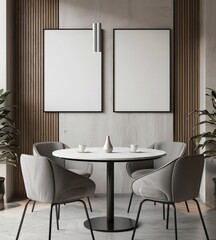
x,y
72,71
141,71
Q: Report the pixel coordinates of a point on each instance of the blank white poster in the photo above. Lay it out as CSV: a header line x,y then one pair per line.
x,y
141,70
72,71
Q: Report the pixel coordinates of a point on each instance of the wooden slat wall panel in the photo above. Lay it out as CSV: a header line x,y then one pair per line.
x,y
30,18
186,46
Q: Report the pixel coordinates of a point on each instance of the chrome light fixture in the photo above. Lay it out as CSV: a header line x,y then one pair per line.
x,y
96,27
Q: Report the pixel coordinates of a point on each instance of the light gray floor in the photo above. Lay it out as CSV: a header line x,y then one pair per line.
x,y
151,227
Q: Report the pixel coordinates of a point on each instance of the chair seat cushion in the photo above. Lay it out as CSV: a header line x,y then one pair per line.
x,y
73,194
80,172
141,173
154,194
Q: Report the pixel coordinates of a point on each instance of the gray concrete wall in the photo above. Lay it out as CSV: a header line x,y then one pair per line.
x,y
92,128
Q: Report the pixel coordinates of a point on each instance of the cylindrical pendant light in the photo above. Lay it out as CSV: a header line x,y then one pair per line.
x,y
96,29
98,37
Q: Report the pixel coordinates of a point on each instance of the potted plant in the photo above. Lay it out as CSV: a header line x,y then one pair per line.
x,y
207,139
8,133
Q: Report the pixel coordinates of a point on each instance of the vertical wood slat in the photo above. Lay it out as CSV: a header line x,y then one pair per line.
x,y
30,18
186,45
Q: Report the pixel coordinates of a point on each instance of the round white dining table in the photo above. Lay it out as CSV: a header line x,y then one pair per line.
x,y
109,223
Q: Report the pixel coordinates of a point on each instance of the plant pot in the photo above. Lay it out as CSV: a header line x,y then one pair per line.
x,y
2,192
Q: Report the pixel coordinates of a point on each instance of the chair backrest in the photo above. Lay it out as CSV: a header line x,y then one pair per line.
x,y
38,178
47,182
131,167
177,181
173,151
85,166
46,148
186,177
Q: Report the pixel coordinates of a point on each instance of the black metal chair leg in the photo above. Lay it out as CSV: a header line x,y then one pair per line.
x,y
90,207
57,216
167,220
201,217
137,219
59,211
129,205
50,223
21,222
176,233
33,206
187,206
87,215
163,211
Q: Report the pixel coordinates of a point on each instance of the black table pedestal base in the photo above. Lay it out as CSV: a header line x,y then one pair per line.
x,y
120,224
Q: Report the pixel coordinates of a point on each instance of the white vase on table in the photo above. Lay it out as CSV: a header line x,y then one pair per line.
x,y
108,148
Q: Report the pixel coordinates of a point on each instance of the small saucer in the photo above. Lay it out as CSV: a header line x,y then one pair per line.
x,y
80,151
137,151
86,151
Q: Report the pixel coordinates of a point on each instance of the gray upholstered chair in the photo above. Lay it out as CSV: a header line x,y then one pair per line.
x,y
175,182
173,150
46,148
47,182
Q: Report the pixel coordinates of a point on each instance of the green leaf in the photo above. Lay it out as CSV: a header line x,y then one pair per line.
x,y
210,152
206,121
213,93
8,132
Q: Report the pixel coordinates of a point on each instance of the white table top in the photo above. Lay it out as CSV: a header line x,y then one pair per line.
x,y
119,154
